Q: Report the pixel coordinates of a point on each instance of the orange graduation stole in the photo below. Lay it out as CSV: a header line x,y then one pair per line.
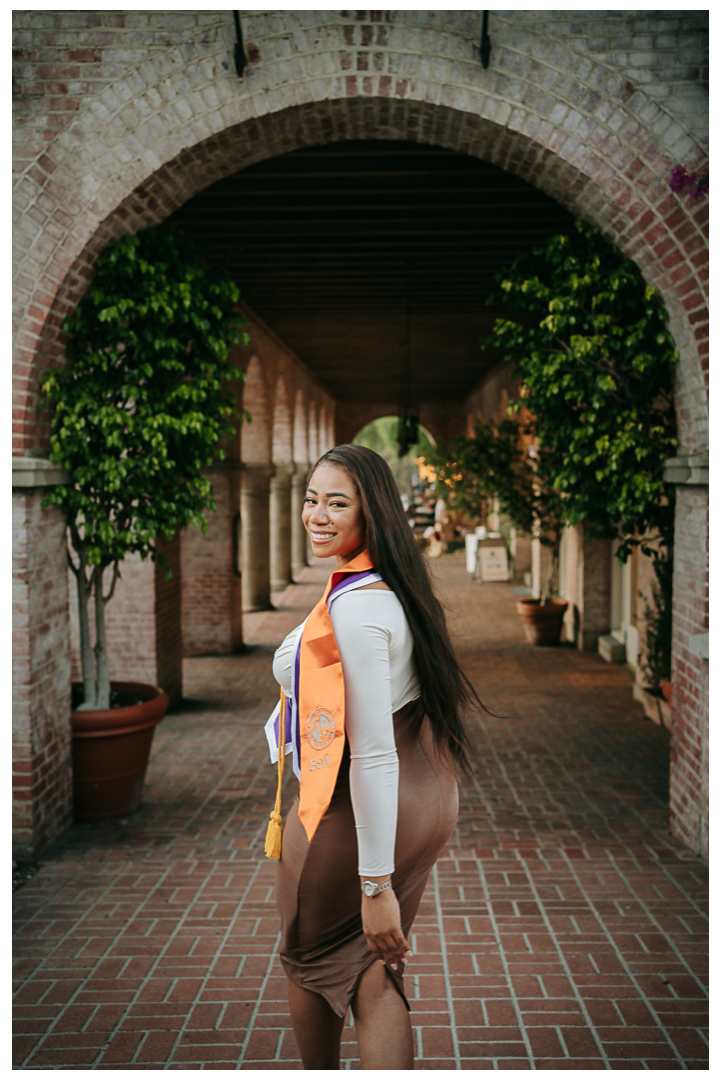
x,y
316,730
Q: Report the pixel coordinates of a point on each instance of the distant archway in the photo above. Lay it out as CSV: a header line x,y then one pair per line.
x,y
380,435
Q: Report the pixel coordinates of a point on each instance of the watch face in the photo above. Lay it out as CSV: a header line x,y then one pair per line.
x,y
368,887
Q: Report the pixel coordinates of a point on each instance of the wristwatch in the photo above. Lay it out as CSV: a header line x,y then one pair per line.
x,y
371,888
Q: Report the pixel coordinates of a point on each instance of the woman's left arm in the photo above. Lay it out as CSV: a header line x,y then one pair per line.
x,y
363,637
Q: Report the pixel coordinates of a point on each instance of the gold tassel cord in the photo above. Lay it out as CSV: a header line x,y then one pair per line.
x,y
273,839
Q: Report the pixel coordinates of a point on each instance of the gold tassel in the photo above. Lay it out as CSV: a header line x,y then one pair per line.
x,y
273,839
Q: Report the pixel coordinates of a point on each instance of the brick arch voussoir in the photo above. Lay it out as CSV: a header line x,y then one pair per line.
x,y
665,235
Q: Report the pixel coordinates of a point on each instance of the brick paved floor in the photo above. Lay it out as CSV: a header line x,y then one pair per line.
x,y
564,928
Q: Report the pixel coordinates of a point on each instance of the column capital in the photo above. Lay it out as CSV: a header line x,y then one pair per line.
x,y
688,469
284,471
300,471
223,467
258,468
29,472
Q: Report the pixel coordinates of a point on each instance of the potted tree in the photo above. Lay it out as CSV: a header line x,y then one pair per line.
x,y
595,363
502,461
137,414
594,360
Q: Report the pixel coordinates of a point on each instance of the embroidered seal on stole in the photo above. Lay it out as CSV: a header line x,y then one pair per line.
x,y
320,728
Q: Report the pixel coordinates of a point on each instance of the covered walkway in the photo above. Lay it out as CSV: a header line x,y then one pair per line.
x,y
565,927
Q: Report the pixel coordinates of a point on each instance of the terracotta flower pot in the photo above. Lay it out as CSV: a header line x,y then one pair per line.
x,y
666,690
542,622
111,749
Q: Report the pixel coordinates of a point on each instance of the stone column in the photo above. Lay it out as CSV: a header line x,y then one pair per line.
x,y
297,529
42,737
255,537
280,532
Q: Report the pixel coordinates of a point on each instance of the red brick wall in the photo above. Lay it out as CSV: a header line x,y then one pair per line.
x,y
211,597
282,427
42,751
129,623
143,624
689,761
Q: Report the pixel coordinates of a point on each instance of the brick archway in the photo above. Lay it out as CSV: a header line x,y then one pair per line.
x,y
598,158
438,423
666,236
149,134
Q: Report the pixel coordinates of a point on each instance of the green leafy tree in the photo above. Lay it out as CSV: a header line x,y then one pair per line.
x,y
595,417
595,361
138,412
501,461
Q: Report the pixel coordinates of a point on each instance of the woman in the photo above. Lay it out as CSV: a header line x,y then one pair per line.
x,y
374,695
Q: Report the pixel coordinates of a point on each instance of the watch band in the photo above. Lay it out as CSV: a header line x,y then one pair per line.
x,y
371,888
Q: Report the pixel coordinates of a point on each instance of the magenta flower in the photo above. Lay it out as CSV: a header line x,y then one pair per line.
x,y
680,178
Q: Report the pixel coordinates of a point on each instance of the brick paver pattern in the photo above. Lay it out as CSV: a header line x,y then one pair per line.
x,y
563,928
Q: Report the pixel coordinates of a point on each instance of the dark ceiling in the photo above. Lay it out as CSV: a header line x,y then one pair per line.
x,y
373,259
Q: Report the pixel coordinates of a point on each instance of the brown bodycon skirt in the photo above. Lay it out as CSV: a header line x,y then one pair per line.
x,y
323,947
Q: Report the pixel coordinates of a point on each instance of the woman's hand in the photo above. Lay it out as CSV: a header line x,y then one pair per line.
x,y
381,926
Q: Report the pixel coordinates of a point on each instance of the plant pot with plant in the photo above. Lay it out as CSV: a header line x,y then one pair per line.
x,y
501,462
139,411
595,364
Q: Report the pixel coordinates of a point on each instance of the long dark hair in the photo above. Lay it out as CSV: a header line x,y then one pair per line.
x,y
445,691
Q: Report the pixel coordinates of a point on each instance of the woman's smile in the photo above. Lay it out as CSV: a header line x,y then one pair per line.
x,y
333,515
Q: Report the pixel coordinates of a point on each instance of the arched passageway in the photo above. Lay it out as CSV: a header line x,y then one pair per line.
x,y
589,139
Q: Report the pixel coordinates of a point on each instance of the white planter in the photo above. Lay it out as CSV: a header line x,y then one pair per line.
x,y
471,548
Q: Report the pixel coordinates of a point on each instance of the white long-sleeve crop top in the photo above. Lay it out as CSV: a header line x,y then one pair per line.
x,y
375,648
